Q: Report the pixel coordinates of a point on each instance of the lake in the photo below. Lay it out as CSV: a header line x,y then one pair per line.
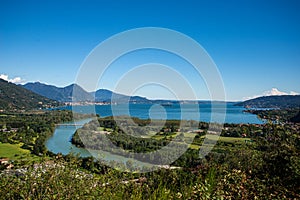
x,y
234,114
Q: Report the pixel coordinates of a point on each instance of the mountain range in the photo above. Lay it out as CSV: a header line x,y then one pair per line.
x,y
75,93
38,95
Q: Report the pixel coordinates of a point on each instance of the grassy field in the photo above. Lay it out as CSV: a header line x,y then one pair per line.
x,y
15,152
228,140
12,151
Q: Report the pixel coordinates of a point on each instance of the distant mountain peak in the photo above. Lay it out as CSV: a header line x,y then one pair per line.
x,y
273,92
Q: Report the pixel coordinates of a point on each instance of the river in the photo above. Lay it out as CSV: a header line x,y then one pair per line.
x,y
60,141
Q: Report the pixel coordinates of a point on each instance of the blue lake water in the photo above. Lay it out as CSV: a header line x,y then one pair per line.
x,y
199,112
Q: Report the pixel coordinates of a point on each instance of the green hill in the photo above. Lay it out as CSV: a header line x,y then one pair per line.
x,y
15,98
284,101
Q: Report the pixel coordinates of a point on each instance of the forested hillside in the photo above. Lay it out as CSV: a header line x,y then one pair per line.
x,y
284,101
14,97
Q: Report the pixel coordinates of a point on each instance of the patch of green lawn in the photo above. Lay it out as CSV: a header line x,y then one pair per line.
x,y
194,146
12,151
226,140
15,152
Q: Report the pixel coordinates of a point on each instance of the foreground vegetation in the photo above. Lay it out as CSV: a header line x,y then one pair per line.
x,y
267,166
286,115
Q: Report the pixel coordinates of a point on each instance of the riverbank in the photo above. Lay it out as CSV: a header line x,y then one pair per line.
x,y
59,142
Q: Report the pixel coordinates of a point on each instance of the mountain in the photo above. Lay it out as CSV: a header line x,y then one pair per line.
x,y
15,97
64,94
283,101
103,95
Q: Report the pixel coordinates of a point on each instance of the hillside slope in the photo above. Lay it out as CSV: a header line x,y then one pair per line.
x,y
15,97
284,101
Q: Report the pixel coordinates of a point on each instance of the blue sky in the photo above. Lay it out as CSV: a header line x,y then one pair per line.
x,y
255,44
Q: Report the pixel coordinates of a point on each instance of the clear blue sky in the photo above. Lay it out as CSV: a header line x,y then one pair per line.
x,y
255,44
